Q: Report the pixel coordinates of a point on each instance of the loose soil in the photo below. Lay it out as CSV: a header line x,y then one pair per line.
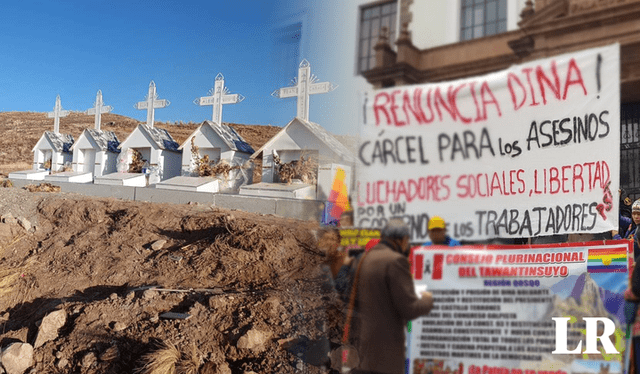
x,y
234,273
237,275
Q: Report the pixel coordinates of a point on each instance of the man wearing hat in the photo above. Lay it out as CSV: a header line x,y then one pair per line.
x,y
438,233
631,225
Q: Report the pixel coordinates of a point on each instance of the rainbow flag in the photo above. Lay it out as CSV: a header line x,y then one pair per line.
x,y
609,260
338,197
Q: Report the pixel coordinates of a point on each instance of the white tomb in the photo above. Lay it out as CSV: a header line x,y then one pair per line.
x,y
192,184
52,151
308,139
70,176
302,138
122,179
287,191
34,175
155,145
157,148
217,141
94,153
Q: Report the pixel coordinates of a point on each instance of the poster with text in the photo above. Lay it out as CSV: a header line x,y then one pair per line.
x,y
528,151
356,239
493,307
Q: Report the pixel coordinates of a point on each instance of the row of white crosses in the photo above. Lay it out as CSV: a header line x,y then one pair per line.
x,y
306,84
97,110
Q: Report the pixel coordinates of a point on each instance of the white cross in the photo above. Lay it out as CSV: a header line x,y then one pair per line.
x,y
304,86
98,109
56,114
151,103
219,96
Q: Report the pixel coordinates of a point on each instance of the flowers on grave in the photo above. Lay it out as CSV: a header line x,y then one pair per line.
x,y
67,166
305,169
137,162
204,167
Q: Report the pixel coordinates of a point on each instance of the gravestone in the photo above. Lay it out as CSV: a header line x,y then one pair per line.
x,y
301,142
158,151
222,153
217,148
155,147
52,152
94,153
301,139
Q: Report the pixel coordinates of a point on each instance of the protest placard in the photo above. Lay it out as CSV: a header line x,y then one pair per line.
x,y
493,307
528,151
356,238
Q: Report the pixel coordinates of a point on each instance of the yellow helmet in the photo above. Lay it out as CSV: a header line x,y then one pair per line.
x,y
436,223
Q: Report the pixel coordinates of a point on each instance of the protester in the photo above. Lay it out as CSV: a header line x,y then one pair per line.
x,y
626,223
632,292
625,203
632,228
384,298
346,219
370,244
329,244
632,297
438,233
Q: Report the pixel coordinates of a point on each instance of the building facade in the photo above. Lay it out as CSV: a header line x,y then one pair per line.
x,y
545,28
365,44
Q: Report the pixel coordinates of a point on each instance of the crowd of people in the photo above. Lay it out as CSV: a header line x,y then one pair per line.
x,y
379,297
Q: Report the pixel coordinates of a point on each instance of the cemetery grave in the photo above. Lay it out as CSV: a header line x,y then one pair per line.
x,y
94,152
300,162
148,145
51,153
214,157
21,130
233,292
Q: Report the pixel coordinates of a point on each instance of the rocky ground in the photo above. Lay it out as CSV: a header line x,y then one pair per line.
x,y
86,284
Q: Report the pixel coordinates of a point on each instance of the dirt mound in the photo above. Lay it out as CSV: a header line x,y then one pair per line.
x,y
245,281
42,187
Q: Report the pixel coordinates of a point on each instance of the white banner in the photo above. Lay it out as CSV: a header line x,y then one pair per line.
x,y
529,151
493,308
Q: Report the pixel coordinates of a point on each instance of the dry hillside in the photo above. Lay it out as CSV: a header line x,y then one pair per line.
x,y
21,130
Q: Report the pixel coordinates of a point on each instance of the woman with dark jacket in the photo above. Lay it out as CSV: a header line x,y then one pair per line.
x,y
632,294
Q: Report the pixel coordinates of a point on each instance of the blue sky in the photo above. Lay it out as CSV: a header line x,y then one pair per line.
x,y
75,48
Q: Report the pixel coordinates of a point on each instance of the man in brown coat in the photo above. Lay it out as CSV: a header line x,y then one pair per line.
x,y
386,301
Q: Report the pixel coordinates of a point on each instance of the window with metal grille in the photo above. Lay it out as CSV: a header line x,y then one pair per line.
x,y
372,19
630,150
480,18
